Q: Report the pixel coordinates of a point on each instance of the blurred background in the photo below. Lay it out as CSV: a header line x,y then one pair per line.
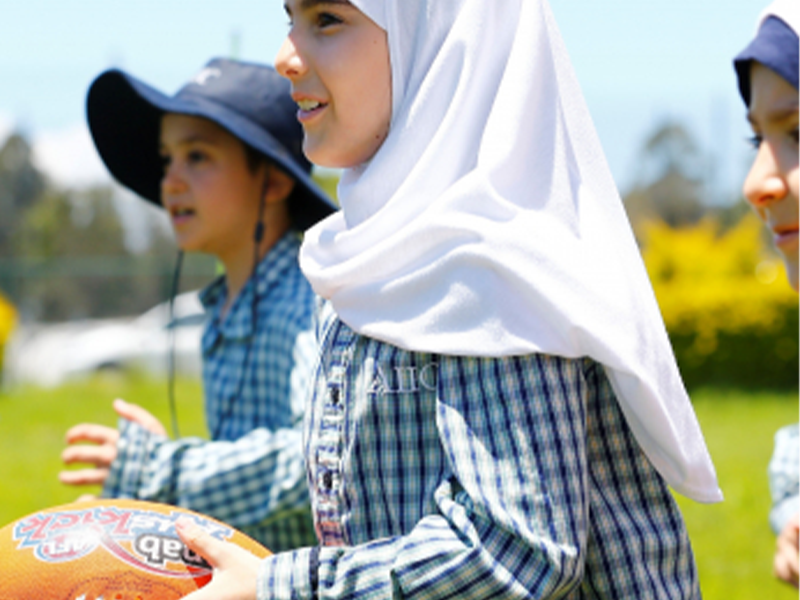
x,y
85,267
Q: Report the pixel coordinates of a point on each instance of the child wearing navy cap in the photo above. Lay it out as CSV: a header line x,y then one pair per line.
x,y
497,413
767,72
223,157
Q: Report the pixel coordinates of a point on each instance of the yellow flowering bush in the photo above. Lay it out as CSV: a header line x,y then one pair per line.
x,y
8,319
727,305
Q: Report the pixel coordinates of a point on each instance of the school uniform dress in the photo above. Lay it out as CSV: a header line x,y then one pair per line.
x,y
460,442
252,476
464,477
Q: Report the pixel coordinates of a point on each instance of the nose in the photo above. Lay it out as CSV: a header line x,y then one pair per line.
x,y
288,62
172,182
765,182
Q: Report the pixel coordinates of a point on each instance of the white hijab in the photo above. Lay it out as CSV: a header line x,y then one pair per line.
x,y
488,223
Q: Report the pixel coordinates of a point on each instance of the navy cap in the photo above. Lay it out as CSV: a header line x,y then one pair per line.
x,y
252,102
776,47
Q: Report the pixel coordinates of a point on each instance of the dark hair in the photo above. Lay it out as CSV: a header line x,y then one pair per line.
x,y
255,160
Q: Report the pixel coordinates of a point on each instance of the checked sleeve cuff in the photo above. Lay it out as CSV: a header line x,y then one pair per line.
x,y
287,576
135,449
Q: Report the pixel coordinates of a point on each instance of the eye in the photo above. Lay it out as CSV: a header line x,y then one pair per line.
x,y
166,160
194,157
326,19
794,136
287,9
755,141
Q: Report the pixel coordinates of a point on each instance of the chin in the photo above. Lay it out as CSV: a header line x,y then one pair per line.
x,y
320,158
188,245
336,157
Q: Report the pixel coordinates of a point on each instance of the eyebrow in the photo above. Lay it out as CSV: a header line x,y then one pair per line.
x,y
309,4
779,114
189,139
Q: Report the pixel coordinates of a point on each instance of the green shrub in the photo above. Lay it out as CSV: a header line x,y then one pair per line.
x,y
729,310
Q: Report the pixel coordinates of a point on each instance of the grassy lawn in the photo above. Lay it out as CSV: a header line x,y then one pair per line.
x,y
33,423
732,541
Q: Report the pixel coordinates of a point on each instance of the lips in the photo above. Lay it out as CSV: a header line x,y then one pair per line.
x,y
785,236
180,214
308,108
308,105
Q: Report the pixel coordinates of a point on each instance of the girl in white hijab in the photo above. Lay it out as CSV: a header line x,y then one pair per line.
x,y
497,411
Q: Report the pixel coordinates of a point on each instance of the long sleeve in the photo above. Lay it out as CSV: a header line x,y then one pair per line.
x,y
482,488
256,483
784,474
256,375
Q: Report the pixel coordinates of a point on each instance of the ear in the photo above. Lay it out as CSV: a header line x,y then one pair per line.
x,y
280,185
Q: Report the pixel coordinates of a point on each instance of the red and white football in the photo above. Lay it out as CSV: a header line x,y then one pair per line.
x,y
106,549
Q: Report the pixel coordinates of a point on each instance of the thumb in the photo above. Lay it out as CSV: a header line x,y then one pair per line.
x,y
135,413
200,542
235,569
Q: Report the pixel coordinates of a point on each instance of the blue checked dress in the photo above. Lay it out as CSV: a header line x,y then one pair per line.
x,y
252,475
438,477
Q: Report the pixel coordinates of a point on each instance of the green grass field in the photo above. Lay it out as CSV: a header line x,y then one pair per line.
x,y
732,540
33,423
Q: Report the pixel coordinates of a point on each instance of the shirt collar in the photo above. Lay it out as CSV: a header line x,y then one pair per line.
x,y
238,322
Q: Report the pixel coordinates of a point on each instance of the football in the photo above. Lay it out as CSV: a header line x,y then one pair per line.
x,y
106,550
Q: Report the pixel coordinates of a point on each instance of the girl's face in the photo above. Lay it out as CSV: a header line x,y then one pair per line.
x,y
337,60
772,184
208,188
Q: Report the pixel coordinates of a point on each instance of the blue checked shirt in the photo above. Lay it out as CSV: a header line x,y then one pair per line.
x,y
252,475
438,477
784,477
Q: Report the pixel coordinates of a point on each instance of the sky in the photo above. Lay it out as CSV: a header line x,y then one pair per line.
x,y
640,63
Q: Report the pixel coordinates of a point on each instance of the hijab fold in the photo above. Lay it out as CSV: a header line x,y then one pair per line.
x,y
488,224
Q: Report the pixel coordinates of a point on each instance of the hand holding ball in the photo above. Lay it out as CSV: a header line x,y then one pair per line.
x,y
109,549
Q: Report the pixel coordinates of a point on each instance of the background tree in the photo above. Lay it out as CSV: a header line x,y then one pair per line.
x,y
21,184
670,180
64,252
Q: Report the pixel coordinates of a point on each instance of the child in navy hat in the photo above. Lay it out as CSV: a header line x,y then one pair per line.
x,y
223,157
767,72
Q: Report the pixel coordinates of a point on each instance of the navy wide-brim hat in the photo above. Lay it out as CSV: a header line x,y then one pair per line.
x,y
776,47
250,101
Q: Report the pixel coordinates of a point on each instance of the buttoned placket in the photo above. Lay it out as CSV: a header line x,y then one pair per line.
x,y
327,480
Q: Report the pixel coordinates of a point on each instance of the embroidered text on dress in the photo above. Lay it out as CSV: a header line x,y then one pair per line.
x,y
405,380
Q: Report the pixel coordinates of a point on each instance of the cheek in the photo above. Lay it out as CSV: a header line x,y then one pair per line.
x,y
381,72
376,99
224,198
793,179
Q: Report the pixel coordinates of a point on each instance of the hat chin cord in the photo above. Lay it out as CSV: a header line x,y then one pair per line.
x,y
258,237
